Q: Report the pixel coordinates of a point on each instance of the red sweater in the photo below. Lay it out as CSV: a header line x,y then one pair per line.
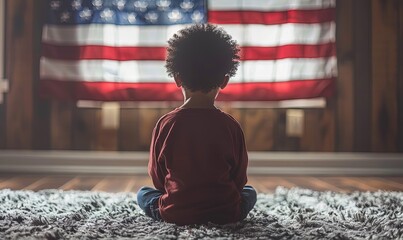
x,y
198,158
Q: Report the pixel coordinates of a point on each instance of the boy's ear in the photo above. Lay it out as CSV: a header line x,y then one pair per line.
x,y
178,81
224,82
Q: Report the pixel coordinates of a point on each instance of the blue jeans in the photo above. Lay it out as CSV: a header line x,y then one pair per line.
x,y
147,199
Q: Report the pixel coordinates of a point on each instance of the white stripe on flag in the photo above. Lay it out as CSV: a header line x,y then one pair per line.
x,y
286,69
155,36
104,70
283,34
270,5
154,71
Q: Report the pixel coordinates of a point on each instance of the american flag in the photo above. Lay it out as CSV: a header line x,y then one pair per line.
x,y
114,50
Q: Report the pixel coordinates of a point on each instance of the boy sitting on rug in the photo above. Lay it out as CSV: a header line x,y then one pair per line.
x,y
198,157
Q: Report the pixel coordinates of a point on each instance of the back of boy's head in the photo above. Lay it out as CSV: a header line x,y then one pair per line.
x,y
201,55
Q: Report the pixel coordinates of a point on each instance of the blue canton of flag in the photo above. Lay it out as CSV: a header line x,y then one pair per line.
x,y
127,12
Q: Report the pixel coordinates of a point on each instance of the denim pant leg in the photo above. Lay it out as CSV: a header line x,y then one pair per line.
x,y
248,200
147,199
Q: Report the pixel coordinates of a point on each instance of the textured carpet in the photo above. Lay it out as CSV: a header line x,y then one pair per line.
x,y
286,214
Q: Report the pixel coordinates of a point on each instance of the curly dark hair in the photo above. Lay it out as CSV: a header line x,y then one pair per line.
x,y
201,55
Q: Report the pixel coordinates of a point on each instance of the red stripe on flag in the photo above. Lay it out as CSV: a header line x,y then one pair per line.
x,y
158,53
108,91
288,51
269,18
100,52
275,91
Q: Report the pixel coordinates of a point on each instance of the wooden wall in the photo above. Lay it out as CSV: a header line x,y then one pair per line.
x,y
366,114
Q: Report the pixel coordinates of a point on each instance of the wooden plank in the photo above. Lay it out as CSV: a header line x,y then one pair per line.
x,y
252,181
141,181
130,185
395,180
49,182
282,181
345,81
61,125
113,184
147,120
42,108
35,184
323,185
311,139
20,73
400,94
2,76
88,133
358,183
340,182
69,185
19,182
4,177
3,134
271,183
261,185
302,182
83,183
55,182
281,142
259,128
279,132
108,132
318,131
313,183
99,184
382,184
362,183
85,128
328,132
392,185
129,129
362,75
108,140
42,122
384,75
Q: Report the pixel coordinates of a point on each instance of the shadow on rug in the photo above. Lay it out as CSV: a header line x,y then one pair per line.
x,y
286,214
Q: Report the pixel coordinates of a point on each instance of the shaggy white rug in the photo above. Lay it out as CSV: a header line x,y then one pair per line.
x,y
286,214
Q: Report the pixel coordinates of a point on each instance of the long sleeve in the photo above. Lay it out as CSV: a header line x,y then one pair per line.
x,y
239,173
155,168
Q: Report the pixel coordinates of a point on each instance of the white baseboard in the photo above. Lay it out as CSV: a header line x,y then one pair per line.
x,y
260,163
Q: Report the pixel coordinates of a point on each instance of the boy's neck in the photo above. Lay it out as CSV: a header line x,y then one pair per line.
x,y
198,99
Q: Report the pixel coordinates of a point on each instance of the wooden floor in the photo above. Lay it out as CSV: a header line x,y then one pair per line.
x,y
265,184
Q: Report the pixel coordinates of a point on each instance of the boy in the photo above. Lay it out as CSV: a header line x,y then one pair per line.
x,y
198,157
